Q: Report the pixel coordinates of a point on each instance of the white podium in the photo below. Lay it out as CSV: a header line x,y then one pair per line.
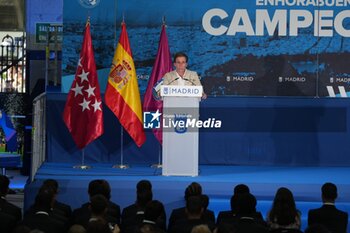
x,y
180,141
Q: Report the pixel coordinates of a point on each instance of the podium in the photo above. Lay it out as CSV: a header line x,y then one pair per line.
x,y
180,136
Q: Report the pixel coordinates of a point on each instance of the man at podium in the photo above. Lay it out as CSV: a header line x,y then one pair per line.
x,y
182,76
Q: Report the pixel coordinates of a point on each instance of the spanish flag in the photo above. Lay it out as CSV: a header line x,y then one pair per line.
x,y
122,94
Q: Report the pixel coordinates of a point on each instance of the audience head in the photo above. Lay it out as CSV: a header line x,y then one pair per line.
x,y
98,226
99,187
201,229
329,192
238,189
194,207
4,185
44,199
148,228
154,210
144,197
51,183
98,205
77,229
225,228
143,192
246,204
241,188
283,210
143,185
194,189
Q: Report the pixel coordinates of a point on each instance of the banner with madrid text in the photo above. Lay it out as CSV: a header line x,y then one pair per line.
x,y
122,94
162,65
83,114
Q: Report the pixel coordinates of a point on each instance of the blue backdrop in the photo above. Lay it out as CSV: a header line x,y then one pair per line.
x,y
255,131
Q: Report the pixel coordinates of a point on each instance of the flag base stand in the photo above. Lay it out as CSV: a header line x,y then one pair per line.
x,y
121,166
82,167
157,165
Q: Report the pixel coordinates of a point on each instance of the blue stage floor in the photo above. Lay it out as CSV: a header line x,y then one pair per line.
x,y
217,183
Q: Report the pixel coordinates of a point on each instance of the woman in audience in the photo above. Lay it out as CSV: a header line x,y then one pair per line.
x,y
283,214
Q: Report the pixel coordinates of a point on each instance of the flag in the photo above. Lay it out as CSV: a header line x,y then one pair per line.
x,y
122,94
83,114
162,65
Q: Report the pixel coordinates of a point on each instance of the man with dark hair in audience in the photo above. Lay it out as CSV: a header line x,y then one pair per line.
x,y
55,213
99,208
133,215
328,215
100,226
194,189
246,212
83,214
154,216
64,208
230,216
10,214
194,210
41,219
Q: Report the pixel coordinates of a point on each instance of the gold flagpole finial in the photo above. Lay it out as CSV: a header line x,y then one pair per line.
x,y
123,19
88,21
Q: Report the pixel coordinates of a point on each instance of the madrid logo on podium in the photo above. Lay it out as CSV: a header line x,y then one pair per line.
x,y
151,120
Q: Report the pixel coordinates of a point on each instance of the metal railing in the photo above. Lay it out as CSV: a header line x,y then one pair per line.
x,y
12,64
39,133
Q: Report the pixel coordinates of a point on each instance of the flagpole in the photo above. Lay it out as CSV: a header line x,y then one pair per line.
x,y
159,164
121,165
82,166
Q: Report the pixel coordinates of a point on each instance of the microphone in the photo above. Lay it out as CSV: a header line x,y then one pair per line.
x,y
188,80
173,81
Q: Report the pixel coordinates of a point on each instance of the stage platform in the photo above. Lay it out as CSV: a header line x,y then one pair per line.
x,y
217,183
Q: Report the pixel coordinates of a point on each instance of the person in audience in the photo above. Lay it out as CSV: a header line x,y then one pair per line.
x,y
83,214
41,219
230,216
77,229
194,210
55,213
284,214
101,226
246,213
194,189
335,220
201,229
225,228
98,208
133,215
154,216
64,208
10,214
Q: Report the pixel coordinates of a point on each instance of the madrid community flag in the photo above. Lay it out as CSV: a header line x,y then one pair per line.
x,y
122,94
161,66
83,114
